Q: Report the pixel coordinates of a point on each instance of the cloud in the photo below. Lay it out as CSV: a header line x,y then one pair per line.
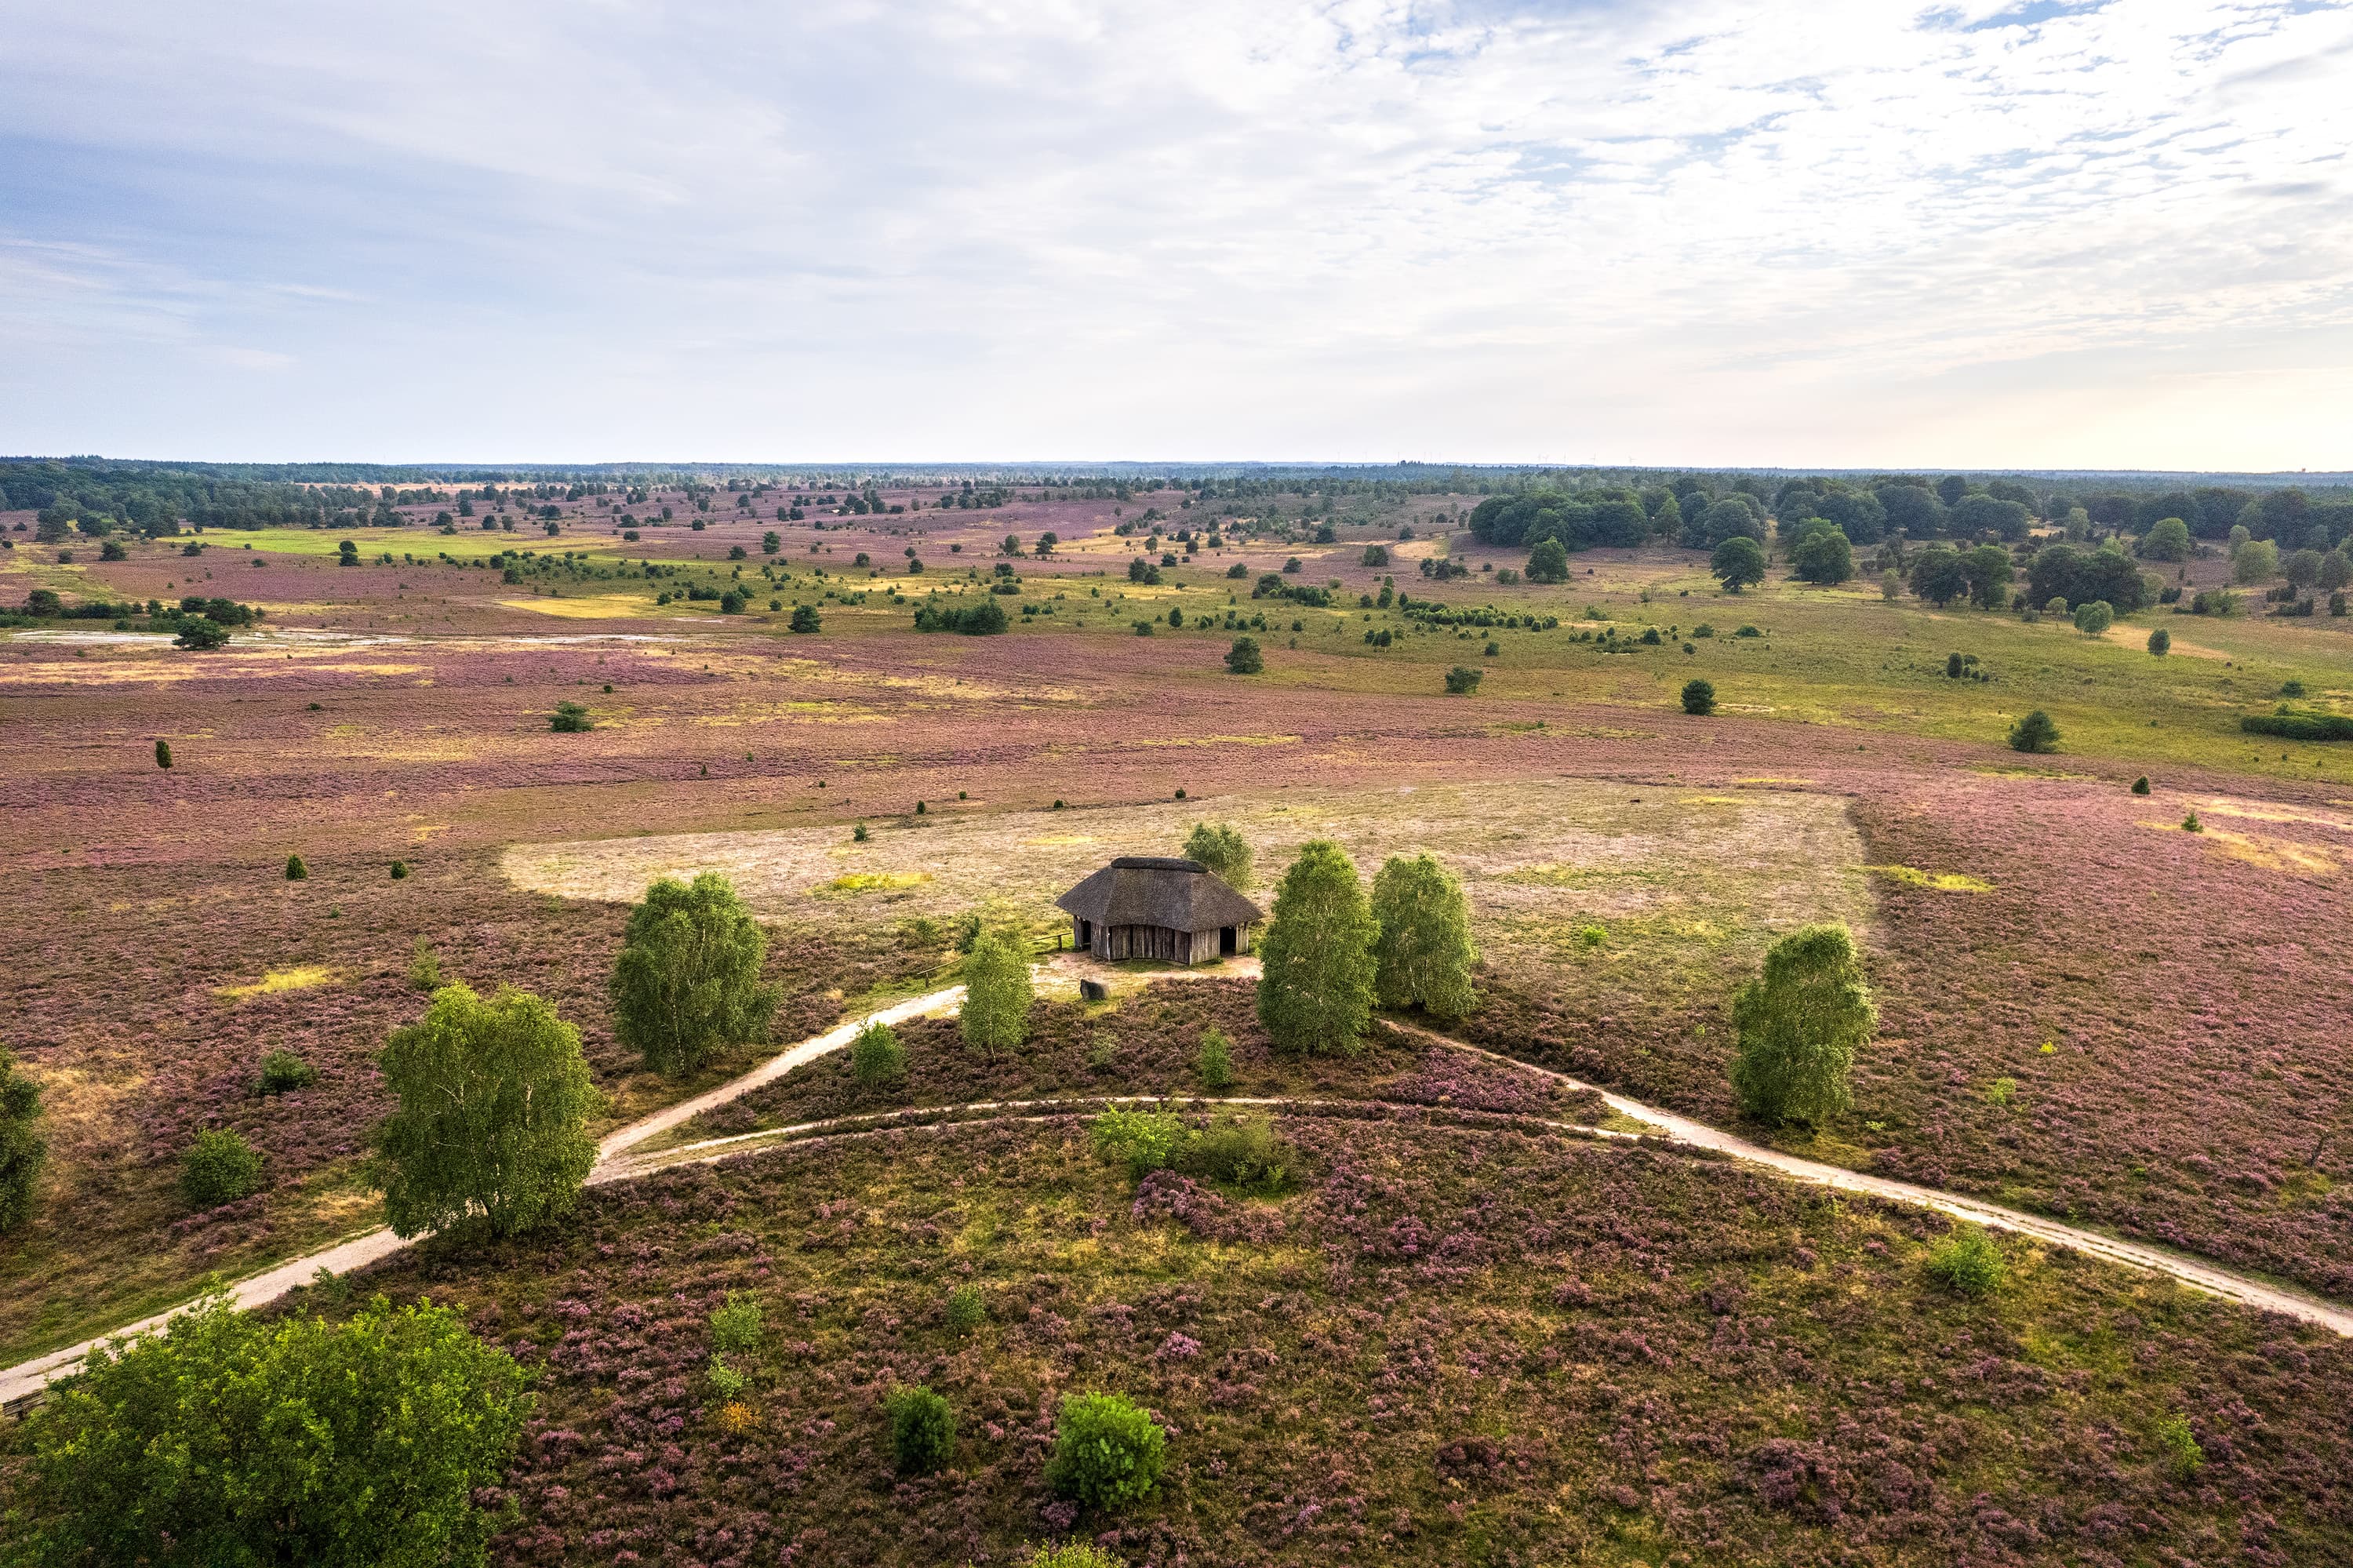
x,y
1679,231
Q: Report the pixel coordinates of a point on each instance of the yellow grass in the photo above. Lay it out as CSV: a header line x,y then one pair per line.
x,y
301,978
589,606
1942,881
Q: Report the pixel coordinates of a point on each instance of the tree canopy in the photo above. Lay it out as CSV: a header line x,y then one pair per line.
x,y
997,994
1316,964
687,985
1423,955
1799,1024
1221,848
494,1100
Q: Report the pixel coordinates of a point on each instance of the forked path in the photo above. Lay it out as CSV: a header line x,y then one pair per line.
x,y
613,1163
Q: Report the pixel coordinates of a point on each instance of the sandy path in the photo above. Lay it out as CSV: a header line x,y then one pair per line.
x,y
28,1378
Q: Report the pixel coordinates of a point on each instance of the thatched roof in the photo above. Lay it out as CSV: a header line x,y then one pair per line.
x,y
1160,890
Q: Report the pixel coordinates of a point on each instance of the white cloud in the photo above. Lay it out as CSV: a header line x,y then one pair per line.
x,y
1688,231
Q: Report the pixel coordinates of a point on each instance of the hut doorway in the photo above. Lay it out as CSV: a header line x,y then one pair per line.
x,y
1228,942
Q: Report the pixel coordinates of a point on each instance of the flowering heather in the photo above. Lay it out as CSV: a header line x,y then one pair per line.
x,y
1473,1345
1147,1044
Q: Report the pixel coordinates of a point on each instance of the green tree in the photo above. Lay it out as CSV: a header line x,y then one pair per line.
x,y
163,754
806,619
1824,556
1316,960
227,1439
922,1430
2160,642
2035,732
876,1057
201,634
494,1100
2167,539
570,718
22,1147
1988,571
1938,575
1244,658
1699,698
218,1167
1800,1025
687,985
1549,561
1739,562
1423,957
1463,681
2256,561
295,870
2096,617
1221,848
996,995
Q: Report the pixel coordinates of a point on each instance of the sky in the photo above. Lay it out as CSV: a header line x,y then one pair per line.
x,y
2060,233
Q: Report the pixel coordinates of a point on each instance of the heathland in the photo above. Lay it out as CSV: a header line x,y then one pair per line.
x,y
2109,979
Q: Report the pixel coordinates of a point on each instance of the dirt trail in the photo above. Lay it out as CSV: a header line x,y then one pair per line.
x,y
613,1164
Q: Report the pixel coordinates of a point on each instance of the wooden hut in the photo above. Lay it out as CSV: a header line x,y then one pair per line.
x,y
1160,908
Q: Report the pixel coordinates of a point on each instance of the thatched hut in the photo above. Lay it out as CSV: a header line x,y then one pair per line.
x,y
1158,907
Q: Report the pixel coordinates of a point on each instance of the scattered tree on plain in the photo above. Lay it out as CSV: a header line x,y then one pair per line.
x,y
687,985
1316,960
1423,957
1738,563
1221,848
2034,733
1800,1024
23,1150
996,995
494,1100
1699,698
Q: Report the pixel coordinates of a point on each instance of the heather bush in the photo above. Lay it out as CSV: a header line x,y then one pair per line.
x,y
966,1310
1967,1262
1142,1140
1220,847
687,985
1423,954
1215,1061
23,1150
283,1070
1107,1451
922,1430
218,1167
1240,1152
231,1439
1799,1024
494,1100
735,1324
997,996
1316,960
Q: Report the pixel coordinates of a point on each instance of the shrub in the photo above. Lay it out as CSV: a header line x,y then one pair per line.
x,y
23,1150
570,718
735,1324
1699,698
2299,727
725,1381
423,966
1221,848
1967,1262
1422,956
1107,1451
1142,1140
201,634
2140,785
494,1099
2034,733
1240,1152
2093,618
876,1057
996,995
966,1310
283,1070
1549,561
2160,642
400,871
986,619
163,754
295,870
1316,961
1800,1023
218,1167
806,619
231,1438
922,1430
2191,824
687,984
1463,681
1244,657
2178,1446
1214,1060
